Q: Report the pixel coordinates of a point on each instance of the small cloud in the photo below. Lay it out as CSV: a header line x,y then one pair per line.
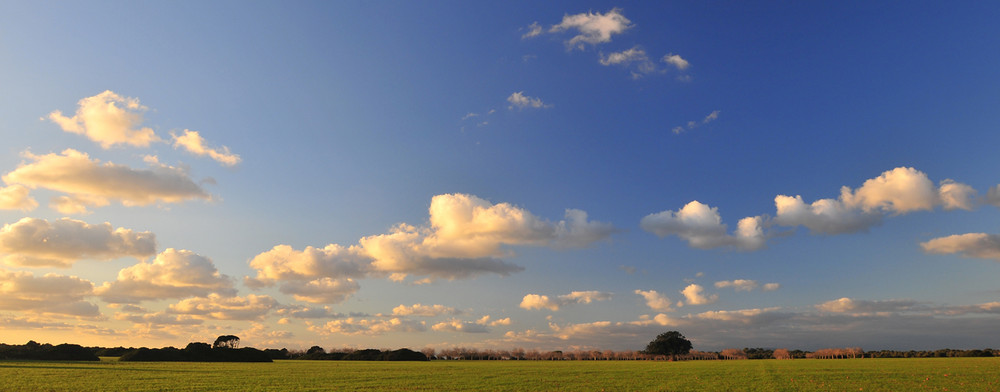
x,y
593,28
15,197
655,300
701,226
470,115
974,245
535,301
738,284
108,119
534,30
520,101
195,144
423,310
694,296
677,61
695,124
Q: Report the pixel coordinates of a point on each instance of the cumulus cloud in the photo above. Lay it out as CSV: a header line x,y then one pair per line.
x,y
283,263
195,144
423,310
50,293
894,192
32,242
87,181
656,301
693,295
701,226
677,61
359,326
520,101
108,119
172,274
975,245
220,307
593,28
535,301
466,236
15,197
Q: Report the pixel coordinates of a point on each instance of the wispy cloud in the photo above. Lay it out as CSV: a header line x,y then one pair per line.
x,y
714,115
16,197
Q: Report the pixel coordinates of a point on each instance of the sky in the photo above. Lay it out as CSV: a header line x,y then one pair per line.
x,y
558,175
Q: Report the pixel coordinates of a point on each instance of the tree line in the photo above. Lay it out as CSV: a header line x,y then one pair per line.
x,y
667,346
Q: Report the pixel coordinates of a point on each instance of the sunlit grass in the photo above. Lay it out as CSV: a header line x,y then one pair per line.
x,y
933,374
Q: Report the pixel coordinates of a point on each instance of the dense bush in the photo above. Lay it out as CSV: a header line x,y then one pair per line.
x,y
47,352
197,352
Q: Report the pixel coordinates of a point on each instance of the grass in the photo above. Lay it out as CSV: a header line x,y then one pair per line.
x,y
931,374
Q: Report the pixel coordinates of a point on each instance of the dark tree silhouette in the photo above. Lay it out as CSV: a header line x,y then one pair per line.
x,y
669,343
227,341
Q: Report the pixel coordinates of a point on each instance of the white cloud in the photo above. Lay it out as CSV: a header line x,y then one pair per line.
x,y
283,263
47,294
738,284
626,58
956,195
693,295
520,101
172,274
894,192
357,326
976,245
677,61
744,316
466,237
88,181
219,307
195,144
534,30
323,290
700,225
32,242
455,325
771,286
593,28
423,310
656,301
108,119
535,301
15,197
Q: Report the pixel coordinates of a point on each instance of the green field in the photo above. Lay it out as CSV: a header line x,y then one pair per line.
x,y
932,374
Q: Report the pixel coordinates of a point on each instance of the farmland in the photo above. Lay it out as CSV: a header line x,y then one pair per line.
x,y
930,374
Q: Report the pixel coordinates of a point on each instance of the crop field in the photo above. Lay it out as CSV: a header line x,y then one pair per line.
x,y
932,374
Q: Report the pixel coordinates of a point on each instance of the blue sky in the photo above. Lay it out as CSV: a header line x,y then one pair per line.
x,y
562,175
